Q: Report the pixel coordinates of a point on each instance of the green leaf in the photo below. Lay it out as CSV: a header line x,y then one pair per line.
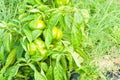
x,y
70,61
1,77
27,56
22,16
44,66
32,66
2,56
24,42
21,60
77,58
34,11
43,7
20,51
82,53
36,58
12,71
62,22
38,2
64,65
78,18
31,2
11,57
76,36
49,73
68,20
58,72
54,20
27,18
43,73
6,41
3,24
39,76
2,71
36,34
1,32
63,62
48,37
28,34
45,1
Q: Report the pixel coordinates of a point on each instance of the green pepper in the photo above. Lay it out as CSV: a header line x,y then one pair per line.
x,y
56,33
40,44
32,48
11,57
61,2
37,25
43,53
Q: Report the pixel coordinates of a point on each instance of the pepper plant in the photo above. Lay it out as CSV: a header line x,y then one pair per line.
x,y
43,41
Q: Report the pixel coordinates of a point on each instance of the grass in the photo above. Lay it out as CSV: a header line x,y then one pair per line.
x,y
103,28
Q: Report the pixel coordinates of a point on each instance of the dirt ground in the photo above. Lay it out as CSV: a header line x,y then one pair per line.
x,y
109,64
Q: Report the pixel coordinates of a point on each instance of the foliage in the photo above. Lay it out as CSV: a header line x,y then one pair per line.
x,y
28,44
30,50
